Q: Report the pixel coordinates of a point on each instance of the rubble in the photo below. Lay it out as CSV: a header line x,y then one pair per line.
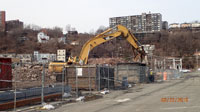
x,y
111,61
31,76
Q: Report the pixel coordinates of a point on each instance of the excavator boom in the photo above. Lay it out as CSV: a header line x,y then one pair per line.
x,y
108,35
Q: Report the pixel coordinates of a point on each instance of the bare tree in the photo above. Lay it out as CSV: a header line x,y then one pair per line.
x,y
68,28
101,29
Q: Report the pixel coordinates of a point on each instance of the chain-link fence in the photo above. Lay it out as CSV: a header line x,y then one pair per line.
x,y
89,77
165,68
99,77
167,74
26,83
40,82
130,73
34,83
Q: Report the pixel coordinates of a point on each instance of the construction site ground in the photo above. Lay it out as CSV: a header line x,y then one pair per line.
x,y
181,95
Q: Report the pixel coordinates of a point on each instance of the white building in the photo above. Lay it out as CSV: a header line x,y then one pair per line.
x,y
61,55
42,37
196,25
174,25
43,57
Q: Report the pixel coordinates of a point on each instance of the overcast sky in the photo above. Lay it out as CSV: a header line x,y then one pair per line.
x,y
86,15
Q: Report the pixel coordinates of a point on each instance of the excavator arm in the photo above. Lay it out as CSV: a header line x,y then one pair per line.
x,y
108,35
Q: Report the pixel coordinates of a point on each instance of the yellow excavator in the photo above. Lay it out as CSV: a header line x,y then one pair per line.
x,y
109,34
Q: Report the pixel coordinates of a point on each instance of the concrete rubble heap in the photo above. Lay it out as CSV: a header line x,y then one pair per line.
x,y
111,61
31,76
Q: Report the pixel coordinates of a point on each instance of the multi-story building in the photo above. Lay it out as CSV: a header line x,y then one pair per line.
x,y
174,25
165,25
24,58
143,23
2,20
61,55
74,32
185,25
43,57
195,25
14,24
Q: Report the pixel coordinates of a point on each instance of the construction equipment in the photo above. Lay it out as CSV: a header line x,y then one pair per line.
x,y
108,35
56,66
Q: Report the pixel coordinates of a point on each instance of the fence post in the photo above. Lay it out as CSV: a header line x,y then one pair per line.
x,y
15,94
63,81
127,71
108,77
89,79
104,76
181,64
116,83
76,82
43,78
151,61
164,64
99,68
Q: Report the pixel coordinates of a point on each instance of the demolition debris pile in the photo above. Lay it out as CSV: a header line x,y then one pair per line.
x,y
111,61
31,76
